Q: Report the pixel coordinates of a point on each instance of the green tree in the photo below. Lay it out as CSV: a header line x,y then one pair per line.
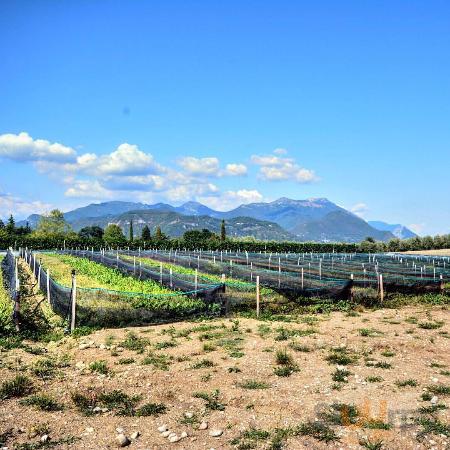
x,y
53,224
94,232
146,235
2,224
131,234
223,231
159,235
113,235
11,225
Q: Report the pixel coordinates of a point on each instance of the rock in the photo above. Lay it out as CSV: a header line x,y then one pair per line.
x,y
434,400
434,380
83,346
122,440
203,426
188,415
183,435
102,347
174,439
120,430
172,434
135,435
163,428
80,365
45,438
89,430
166,433
97,410
216,433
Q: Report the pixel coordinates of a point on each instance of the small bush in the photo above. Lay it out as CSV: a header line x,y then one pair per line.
x,y
43,402
253,384
100,367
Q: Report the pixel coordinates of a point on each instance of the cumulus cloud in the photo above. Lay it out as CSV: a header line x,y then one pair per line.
x,y
22,147
88,189
231,199
280,168
236,169
19,208
210,166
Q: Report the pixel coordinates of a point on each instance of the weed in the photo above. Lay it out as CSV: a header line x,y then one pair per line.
x,y
341,356
207,347
100,367
283,358
43,402
369,332
431,325
388,354
212,400
253,384
165,344
202,364
340,414
432,426
158,361
19,386
383,365
439,389
319,431
431,409
369,445
374,424
134,342
151,409
341,375
409,382
299,347
374,379
234,370
124,361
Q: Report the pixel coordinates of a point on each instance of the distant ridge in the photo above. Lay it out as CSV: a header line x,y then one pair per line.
x,y
313,219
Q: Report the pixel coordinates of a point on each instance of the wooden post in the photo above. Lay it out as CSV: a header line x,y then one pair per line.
x,y
196,281
48,285
39,274
257,296
74,301
381,288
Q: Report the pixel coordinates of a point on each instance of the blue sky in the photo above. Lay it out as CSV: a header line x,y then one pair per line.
x,y
227,102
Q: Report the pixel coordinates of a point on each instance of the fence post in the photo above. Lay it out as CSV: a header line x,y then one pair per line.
x,y
381,288
302,278
39,274
48,285
441,284
170,274
351,287
196,281
74,301
134,265
257,295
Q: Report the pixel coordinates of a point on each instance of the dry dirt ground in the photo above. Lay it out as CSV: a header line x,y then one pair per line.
x,y
441,252
168,364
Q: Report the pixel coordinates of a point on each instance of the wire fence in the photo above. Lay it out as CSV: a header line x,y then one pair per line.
x,y
312,274
105,307
12,284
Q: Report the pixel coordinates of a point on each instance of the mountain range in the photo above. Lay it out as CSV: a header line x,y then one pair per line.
x,y
315,219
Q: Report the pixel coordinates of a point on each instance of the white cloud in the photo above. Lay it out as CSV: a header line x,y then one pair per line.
x,y
20,208
231,199
22,147
200,166
279,168
236,169
210,166
88,189
360,209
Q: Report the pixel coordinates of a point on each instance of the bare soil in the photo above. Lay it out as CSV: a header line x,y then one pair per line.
x,y
410,347
440,252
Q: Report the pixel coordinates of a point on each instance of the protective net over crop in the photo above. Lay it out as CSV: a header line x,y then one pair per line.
x,y
10,277
95,306
317,274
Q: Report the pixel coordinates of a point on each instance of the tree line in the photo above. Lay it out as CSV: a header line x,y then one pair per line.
x,y
53,231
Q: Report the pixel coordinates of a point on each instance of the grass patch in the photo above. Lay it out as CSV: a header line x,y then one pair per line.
x,y
100,367
202,364
341,356
409,382
253,384
212,400
43,402
19,386
341,375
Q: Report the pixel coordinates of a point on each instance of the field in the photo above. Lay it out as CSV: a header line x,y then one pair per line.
x,y
441,252
313,373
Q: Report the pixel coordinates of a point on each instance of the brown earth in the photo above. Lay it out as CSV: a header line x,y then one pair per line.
x,y
414,353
